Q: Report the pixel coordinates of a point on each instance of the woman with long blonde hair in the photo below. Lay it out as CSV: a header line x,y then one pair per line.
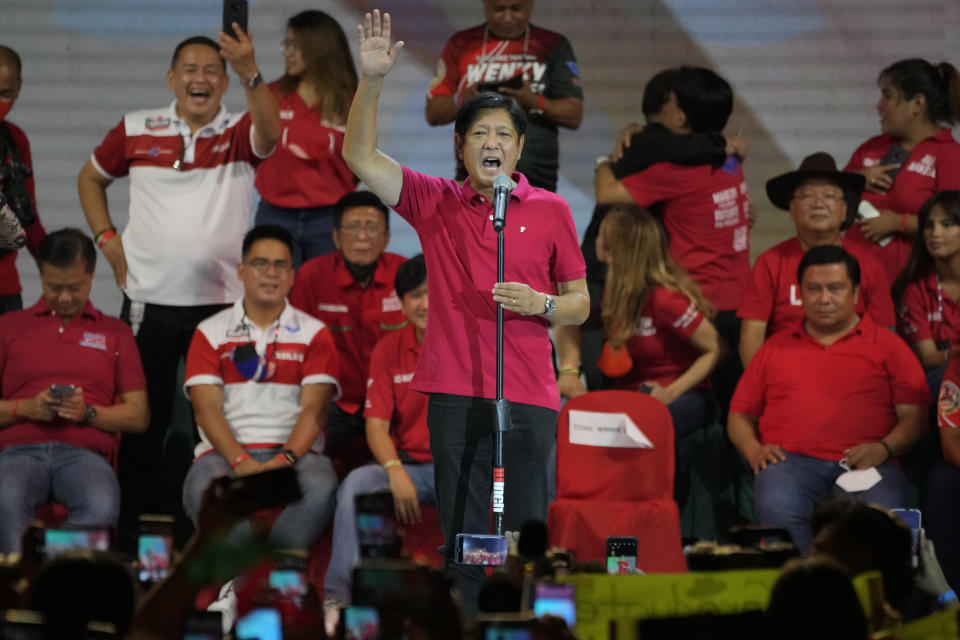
x,y
653,310
306,175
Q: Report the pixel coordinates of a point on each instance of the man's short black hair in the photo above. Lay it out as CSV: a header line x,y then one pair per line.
x,y
63,247
410,275
204,40
830,254
470,111
359,199
657,92
705,98
266,232
9,55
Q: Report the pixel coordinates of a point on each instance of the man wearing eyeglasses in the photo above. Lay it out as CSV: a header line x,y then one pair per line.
x,y
822,202
262,375
191,167
351,291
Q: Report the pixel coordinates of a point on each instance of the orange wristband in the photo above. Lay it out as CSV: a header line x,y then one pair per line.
x,y
106,236
13,414
903,223
240,458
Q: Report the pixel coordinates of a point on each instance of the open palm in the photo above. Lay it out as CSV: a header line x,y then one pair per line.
x,y
377,57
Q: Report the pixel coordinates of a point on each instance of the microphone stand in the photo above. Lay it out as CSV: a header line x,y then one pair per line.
x,y
501,411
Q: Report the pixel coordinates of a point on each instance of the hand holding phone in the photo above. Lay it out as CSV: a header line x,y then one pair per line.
x,y
235,11
62,391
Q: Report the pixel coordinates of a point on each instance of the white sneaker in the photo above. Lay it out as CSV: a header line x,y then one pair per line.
x,y
12,235
331,615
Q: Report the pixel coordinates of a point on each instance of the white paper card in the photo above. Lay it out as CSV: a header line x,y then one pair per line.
x,y
861,480
601,429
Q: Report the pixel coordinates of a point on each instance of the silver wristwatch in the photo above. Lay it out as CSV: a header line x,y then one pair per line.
x,y
549,305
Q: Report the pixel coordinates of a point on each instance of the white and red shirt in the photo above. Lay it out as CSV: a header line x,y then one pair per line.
x,y
660,346
182,242
819,401
455,227
307,168
948,400
356,316
927,314
390,398
705,212
9,278
94,351
933,165
773,294
297,350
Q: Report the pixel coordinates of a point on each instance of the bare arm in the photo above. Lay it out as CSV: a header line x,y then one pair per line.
x,y
260,101
742,431
608,189
404,492
379,171
207,402
130,415
752,335
564,112
314,404
92,189
706,340
928,354
567,340
573,300
911,421
441,110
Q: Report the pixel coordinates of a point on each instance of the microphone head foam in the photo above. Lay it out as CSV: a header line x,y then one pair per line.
x,y
504,182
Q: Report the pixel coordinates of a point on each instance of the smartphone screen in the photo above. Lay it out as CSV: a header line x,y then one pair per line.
x,y
291,584
202,625
260,624
360,623
506,631
153,554
621,555
912,518
555,600
479,549
57,541
22,625
377,535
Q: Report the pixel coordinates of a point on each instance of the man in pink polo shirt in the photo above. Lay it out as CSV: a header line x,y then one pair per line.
x,y
545,283
833,392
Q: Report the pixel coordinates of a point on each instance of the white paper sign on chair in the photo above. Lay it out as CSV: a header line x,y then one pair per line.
x,y
599,429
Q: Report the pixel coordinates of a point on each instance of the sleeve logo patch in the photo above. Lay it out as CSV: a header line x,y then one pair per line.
x,y
949,401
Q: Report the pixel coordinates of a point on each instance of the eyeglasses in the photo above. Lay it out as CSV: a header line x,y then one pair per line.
x,y
261,265
354,228
830,198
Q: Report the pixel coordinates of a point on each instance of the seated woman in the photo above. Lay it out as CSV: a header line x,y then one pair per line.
x,y
655,311
926,294
915,156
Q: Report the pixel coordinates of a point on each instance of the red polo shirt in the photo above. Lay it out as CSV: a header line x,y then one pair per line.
x,y
948,401
390,398
356,316
93,351
9,279
933,165
660,347
307,167
455,226
773,294
927,314
705,212
819,401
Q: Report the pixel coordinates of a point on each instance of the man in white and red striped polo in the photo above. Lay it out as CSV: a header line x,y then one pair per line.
x,y
191,166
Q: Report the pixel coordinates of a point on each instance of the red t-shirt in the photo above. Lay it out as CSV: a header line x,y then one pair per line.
x,y
9,279
927,314
357,317
390,398
460,247
773,294
660,347
948,400
307,168
819,401
93,351
933,165
705,213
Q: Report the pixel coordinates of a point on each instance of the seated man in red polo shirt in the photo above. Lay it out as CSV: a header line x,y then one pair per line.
x,y
71,382
832,393
396,418
351,291
822,203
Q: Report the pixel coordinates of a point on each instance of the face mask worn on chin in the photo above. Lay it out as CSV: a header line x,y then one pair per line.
x,y
5,107
361,272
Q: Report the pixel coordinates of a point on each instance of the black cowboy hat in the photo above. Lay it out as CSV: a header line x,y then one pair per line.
x,y
818,165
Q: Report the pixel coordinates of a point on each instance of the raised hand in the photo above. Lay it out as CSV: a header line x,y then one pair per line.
x,y
377,56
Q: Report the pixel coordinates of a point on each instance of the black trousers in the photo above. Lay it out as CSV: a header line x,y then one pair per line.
x,y
151,471
461,443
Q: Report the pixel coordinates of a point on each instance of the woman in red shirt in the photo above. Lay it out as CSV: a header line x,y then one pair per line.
x,y
306,175
915,156
653,309
927,292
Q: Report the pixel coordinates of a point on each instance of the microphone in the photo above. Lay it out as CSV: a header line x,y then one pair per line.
x,y
502,187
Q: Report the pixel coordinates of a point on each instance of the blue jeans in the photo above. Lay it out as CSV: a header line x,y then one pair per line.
x,y
300,523
78,479
312,229
345,552
941,518
786,492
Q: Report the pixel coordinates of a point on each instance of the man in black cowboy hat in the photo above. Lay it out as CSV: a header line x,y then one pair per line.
x,y
822,202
